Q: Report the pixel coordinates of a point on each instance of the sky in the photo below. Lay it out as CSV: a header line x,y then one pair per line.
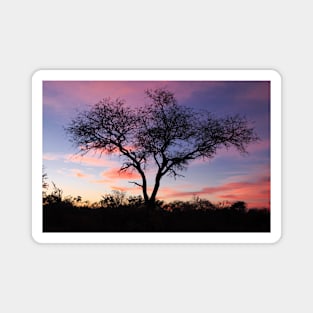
x,y
229,176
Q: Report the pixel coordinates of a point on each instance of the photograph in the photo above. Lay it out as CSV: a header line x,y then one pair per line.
x,y
147,155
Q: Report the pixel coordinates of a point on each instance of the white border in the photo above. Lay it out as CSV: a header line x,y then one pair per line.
x,y
156,74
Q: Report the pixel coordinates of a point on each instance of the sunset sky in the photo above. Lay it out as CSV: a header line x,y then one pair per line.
x,y
229,176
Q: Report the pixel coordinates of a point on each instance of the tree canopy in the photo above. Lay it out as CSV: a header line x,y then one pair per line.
x,y
161,134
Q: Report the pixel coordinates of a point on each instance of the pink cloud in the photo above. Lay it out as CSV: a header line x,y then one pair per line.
x,y
255,194
133,189
114,174
94,160
229,196
262,145
67,95
257,91
232,153
52,156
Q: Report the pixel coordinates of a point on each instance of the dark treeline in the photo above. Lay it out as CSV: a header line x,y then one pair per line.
x,y
117,213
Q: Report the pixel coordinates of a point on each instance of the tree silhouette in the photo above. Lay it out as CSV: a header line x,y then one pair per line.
x,y
114,200
161,134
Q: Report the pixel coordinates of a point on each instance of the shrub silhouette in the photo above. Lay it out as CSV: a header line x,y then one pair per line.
x,y
239,206
114,200
117,213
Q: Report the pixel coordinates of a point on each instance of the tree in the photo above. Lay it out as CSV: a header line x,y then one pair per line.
x,y
161,134
240,206
114,200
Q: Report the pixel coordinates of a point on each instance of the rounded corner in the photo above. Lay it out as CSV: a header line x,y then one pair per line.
x,y
276,74
276,238
36,239
36,74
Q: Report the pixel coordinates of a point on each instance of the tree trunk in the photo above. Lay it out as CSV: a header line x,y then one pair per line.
x,y
144,188
152,199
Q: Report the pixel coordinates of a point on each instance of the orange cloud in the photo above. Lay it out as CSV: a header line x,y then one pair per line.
x,y
79,174
101,181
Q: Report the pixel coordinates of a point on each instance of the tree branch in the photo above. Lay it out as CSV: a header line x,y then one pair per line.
x,y
135,183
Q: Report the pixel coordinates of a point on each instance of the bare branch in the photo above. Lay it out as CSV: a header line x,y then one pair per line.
x,y
133,182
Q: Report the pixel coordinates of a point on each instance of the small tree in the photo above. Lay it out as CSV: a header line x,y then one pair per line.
x,y
161,134
56,196
114,200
